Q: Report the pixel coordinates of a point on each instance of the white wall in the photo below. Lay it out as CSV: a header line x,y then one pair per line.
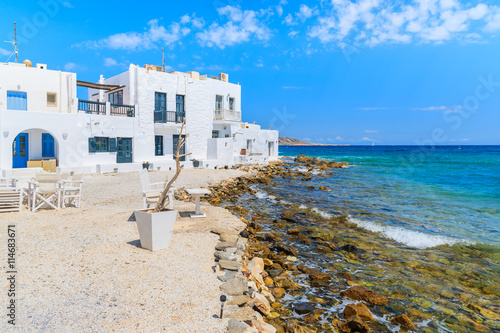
x,y
37,83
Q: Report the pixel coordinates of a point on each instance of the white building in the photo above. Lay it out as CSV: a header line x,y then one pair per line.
x,y
126,120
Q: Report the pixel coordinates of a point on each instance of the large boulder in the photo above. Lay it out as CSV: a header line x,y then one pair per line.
x,y
223,255
404,322
359,309
229,265
235,287
262,304
356,324
304,308
359,293
285,282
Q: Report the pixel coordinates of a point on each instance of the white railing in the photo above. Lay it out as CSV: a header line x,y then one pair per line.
x,y
227,115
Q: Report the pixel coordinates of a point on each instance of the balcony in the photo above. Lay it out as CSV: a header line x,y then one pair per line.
x,y
92,107
163,117
227,115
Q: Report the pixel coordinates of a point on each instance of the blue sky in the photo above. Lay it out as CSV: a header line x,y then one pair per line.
x,y
336,71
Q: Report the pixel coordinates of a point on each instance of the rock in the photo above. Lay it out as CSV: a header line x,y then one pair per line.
x,y
322,249
350,248
244,234
291,325
231,250
240,244
302,329
224,255
229,265
305,269
317,275
268,263
263,327
223,245
304,308
235,287
228,238
273,315
269,281
233,323
276,266
294,231
359,309
278,292
404,322
323,188
245,313
229,309
256,265
484,312
278,327
289,250
275,272
228,276
285,282
238,300
356,324
262,304
359,293
345,276
220,231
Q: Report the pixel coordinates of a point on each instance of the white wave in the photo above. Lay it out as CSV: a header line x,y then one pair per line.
x,y
410,238
322,213
260,194
303,206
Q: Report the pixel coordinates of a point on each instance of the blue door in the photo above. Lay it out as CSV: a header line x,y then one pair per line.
x,y
47,145
20,151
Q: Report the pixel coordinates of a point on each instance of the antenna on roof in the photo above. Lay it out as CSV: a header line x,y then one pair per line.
x,y
163,53
14,42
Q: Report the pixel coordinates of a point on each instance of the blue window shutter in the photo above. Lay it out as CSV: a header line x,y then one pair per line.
x,y
17,100
92,145
47,145
112,145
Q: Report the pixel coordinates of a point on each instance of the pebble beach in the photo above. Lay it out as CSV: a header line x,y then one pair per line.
x,y
83,270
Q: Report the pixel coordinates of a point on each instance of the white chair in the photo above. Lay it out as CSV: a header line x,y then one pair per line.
x,y
44,190
9,183
71,191
151,191
11,199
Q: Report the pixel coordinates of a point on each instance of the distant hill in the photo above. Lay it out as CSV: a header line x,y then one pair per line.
x,y
285,141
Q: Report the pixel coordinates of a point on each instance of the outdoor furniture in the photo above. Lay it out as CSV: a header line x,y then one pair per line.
x,y
197,194
11,199
44,190
6,182
71,191
151,191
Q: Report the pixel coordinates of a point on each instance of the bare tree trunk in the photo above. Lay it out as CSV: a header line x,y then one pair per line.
x,y
162,200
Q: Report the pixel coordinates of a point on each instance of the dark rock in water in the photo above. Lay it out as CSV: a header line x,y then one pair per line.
x,y
291,325
356,324
322,248
359,293
304,307
275,272
305,269
228,276
350,248
244,234
404,322
289,250
317,275
345,276
323,188
359,309
294,231
285,282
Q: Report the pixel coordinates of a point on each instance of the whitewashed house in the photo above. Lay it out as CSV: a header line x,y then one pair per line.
x,y
126,120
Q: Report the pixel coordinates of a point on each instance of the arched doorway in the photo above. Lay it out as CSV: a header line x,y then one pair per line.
x,y
33,145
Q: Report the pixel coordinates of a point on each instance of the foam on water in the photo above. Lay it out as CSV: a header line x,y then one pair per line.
x,y
410,238
322,213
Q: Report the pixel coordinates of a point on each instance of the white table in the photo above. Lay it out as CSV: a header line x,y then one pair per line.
x,y
197,193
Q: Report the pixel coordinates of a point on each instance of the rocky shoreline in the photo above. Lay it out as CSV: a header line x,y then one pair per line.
x,y
258,267
265,267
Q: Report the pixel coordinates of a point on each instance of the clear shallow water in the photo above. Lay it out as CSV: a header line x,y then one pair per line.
x,y
419,196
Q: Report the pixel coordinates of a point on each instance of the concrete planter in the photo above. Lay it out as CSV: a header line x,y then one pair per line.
x,y
155,229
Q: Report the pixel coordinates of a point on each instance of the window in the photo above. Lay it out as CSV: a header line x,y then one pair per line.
x,y
160,101
17,100
158,145
179,103
98,145
215,134
231,104
47,145
249,146
51,99
218,102
116,97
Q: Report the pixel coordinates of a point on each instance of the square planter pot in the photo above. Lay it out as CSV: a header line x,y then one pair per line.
x,y
155,229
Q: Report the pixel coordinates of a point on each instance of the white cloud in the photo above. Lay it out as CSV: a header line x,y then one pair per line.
x,y
374,22
306,139
67,4
110,62
371,131
242,26
4,52
293,33
70,66
154,34
259,64
305,12
368,139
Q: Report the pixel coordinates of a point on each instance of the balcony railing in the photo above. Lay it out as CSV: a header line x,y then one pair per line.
x,y
168,117
227,115
92,107
122,110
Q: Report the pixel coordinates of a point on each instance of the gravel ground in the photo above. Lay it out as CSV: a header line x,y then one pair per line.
x,y
82,270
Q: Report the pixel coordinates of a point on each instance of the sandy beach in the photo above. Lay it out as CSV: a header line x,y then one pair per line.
x,y
82,269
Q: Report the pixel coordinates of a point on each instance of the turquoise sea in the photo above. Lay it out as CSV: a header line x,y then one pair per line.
x,y
418,196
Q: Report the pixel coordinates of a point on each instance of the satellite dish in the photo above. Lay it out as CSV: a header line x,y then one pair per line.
x,y
27,63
